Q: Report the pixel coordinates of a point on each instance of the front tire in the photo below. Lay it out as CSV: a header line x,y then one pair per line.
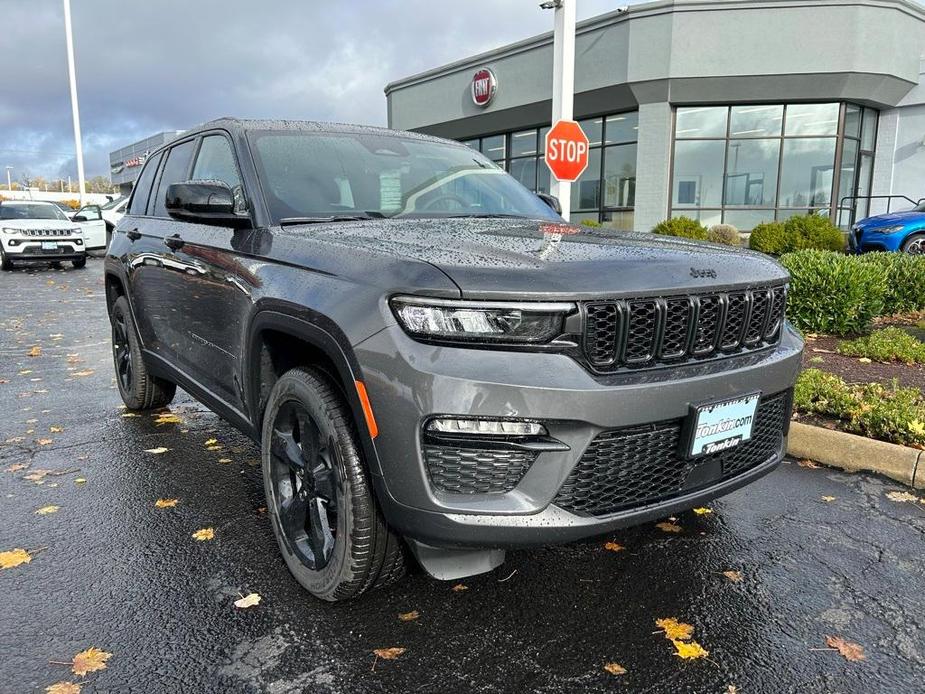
x,y
328,527
138,388
5,263
914,245
79,264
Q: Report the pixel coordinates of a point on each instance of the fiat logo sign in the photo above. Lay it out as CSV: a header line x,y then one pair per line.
x,y
484,86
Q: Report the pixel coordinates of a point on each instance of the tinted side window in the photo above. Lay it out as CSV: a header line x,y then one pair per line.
x,y
175,171
215,162
143,186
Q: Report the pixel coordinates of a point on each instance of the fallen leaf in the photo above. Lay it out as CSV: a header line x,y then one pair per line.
x,y
409,616
669,527
90,660
849,651
16,467
45,510
732,689
157,451
167,418
613,547
734,576
80,480
248,601
204,534
703,511
689,650
388,653
88,372
14,557
807,463
25,372
63,688
166,503
828,499
224,461
130,414
36,475
459,587
675,630
36,351
615,669
865,360
902,497
213,448
44,442
55,430
211,442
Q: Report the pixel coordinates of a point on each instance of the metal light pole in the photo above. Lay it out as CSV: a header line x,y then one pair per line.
x,y
563,83
75,112
9,184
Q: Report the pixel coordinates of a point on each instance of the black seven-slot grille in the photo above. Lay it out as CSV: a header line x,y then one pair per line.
x,y
45,232
639,333
626,468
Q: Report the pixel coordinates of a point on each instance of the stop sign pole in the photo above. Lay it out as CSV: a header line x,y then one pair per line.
x,y
563,83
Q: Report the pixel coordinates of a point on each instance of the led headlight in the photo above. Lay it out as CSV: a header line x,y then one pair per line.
x,y
890,230
7,230
77,230
485,427
481,321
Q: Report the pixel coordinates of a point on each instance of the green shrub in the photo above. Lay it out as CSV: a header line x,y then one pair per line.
x,y
593,223
685,227
812,231
770,238
885,412
889,344
905,280
725,234
833,293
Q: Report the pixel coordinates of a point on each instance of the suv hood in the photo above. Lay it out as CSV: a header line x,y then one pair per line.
x,y
37,224
492,258
892,218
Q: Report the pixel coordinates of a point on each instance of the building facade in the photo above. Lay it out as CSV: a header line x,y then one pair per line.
x,y
125,163
736,111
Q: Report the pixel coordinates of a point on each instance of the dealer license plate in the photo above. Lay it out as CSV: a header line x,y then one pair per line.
x,y
723,425
49,246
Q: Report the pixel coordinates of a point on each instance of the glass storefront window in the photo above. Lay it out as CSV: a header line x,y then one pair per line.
x,y
701,121
621,220
524,143
869,135
812,119
524,170
543,177
698,173
623,127
706,217
865,172
586,191
852,121
807,172
751,172
594,129
620,176
493,147
756,121
848,178
746,220
474,144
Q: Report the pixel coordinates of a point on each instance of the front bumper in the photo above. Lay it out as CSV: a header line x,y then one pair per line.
x,y
871,241
26,248
409,382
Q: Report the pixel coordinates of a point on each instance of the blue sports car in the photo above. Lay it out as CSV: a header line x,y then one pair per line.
x,y
895,231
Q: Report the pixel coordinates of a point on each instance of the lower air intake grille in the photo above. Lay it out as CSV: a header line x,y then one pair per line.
x,y
626,468
475,470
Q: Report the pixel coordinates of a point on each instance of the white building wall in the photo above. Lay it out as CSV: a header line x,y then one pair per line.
x,y
653,167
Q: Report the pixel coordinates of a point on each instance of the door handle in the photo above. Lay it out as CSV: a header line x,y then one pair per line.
x,y
133,234
174,242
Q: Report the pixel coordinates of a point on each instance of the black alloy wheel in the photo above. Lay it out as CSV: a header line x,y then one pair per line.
x,y
140,390
122,352
305,485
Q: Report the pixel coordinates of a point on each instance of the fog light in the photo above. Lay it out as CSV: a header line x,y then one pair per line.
x,y
485,427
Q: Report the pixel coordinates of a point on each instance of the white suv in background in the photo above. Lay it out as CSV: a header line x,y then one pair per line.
x,y
39,231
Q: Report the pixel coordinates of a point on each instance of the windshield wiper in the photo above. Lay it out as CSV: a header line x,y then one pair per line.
x,y
347,217
483,216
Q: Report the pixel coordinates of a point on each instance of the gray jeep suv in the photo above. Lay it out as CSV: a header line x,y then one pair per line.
x,y
429,357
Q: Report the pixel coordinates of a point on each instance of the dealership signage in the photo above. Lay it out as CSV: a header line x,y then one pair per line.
x,y
484,86
567,149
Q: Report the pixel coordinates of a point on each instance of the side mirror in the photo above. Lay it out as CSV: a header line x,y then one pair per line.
x,y
204,202
79,218
552,201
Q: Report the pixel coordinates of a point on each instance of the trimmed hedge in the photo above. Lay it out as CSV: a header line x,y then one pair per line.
x,y
725,234
905,280
801,232
684,227
833,293
770,238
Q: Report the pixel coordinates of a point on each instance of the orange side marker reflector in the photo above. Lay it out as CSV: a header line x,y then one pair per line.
x,y
367,409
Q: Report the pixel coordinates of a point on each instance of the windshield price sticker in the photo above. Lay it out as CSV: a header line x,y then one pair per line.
x,y
721,426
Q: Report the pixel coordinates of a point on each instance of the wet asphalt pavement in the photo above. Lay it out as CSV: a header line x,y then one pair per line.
x,y
110,570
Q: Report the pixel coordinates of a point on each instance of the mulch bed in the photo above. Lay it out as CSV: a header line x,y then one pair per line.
x,y
855,371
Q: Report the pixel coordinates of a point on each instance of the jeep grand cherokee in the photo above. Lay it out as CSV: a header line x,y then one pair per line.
x,y
429,357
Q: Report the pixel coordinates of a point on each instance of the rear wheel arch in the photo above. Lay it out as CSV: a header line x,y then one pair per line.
x,y
115,288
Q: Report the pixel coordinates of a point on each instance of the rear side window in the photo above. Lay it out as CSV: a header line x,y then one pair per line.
x,y
215,162
143,186
175,171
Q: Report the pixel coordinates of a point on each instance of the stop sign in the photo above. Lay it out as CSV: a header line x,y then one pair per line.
x,y
567,150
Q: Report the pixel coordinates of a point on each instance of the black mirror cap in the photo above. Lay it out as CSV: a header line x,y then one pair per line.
x,y
79,218
205,202
552,201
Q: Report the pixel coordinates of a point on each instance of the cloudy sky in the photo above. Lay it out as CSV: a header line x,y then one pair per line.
x,y
144,67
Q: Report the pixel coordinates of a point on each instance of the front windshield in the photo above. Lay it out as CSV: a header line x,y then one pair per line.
x,y
330,175
112,203
25,210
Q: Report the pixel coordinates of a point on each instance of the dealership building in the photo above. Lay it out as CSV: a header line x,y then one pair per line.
x,y
736,111
125,163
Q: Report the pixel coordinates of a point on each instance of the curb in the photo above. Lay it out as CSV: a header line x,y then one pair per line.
x,y
857,453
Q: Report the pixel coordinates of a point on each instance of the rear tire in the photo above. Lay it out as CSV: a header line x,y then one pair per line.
x,y
329,529
138,388
914,244
79,263
5,263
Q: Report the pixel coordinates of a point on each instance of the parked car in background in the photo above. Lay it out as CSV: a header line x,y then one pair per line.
x,y
429,357
94,225
39,231
68,211
895,231
113,211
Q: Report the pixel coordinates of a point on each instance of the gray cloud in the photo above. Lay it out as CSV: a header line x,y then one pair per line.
x,y
143,67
